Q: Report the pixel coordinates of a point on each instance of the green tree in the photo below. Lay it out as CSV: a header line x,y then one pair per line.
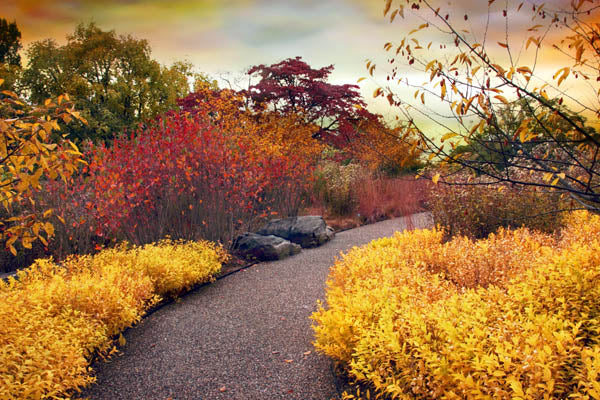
x,y
111,77
10,43
491,147
10,60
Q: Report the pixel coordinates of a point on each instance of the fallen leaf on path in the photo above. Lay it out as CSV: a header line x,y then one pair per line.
x,y
307,352
275,352
222,389
288,361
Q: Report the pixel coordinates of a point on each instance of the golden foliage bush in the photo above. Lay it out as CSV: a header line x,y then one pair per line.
x,y
514,316
53,318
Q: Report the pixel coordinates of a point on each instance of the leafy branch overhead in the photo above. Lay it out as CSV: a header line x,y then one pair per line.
x,y
27,157
504,116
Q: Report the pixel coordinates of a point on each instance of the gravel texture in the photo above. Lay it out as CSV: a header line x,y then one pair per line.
x,y
247,336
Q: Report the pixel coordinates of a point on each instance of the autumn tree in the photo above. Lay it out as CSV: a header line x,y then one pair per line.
x,y
10,43
111,77
10,60
475,65
381,146
28,157
293,86
268,130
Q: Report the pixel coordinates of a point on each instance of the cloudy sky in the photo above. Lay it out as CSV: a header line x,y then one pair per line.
x,y
228,36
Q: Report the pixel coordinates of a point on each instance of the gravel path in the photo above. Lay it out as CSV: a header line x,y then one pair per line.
x,y
246,336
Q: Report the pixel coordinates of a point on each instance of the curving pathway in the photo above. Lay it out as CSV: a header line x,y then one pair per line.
x,y
245,337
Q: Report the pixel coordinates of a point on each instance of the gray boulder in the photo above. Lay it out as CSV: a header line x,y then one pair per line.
x,y
264,247
307,231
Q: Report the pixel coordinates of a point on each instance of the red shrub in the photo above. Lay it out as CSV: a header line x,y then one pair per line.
x,y
379,198
181,176
185,177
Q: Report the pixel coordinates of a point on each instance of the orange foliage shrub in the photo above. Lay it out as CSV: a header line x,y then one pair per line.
x,y
384,149
268,131
515,315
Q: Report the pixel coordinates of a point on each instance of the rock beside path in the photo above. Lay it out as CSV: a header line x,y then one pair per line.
x,y
307,231
264,247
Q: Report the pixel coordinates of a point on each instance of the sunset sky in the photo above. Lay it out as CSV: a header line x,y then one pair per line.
x,y
228,36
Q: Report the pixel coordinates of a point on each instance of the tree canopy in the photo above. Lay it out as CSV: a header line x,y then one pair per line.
x,y
293,86
10,43
10,60
111,77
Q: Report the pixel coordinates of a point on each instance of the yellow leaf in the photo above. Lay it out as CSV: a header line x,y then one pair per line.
x,y
26,242
579,53
503,45
517,388
449,135
524,70
360,79
501,98
436,178
122,340
1,81
49,228
554,182
44,241
388,5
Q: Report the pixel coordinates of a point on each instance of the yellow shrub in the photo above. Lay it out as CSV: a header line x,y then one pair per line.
x,y
516,315
172,266
52,318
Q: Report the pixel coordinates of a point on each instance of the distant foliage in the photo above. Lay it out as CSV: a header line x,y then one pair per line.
x,y
478,209
111,77
284,134
354,190
385,148
335,185
10,43
54,318
511,316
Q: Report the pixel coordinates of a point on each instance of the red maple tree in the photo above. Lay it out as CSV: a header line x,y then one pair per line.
x,y
293,86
